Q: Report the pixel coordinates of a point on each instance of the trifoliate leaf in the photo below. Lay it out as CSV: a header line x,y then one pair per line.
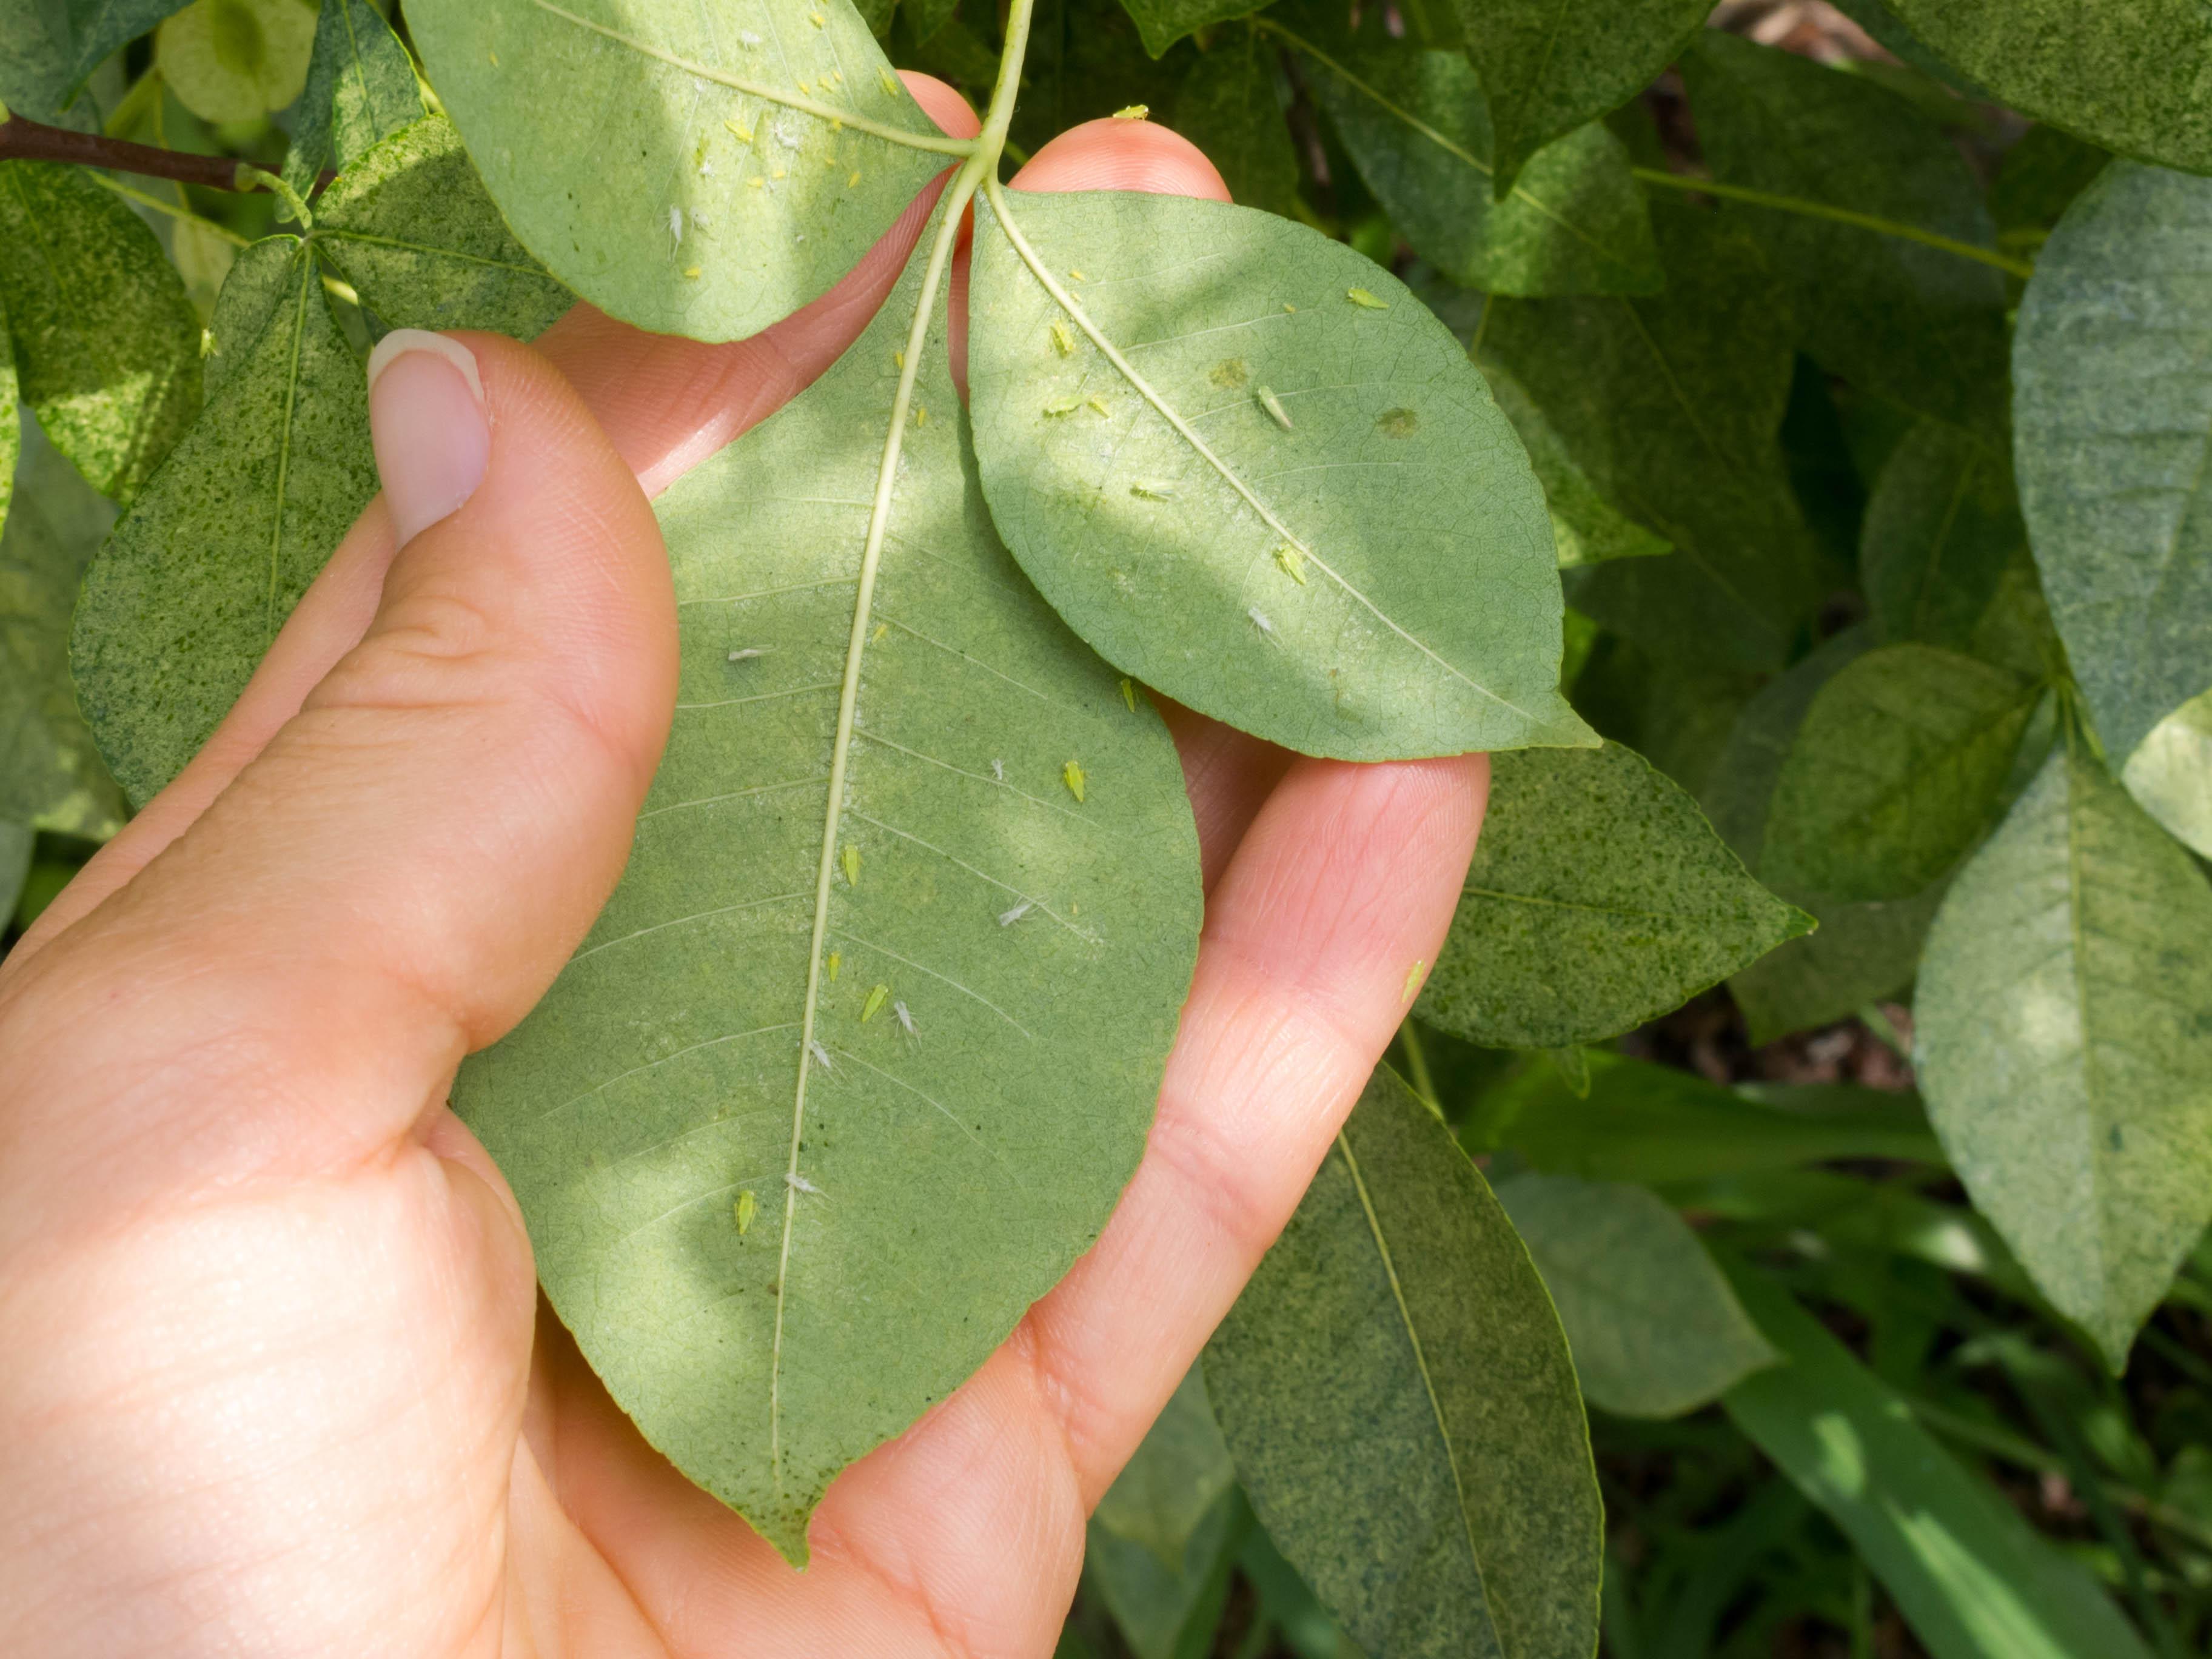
x,y
190,589
724,143
881,781
361,89
236,60
1654,1329
1428,622
1397,1394
107,345
2114,443
2064,1042
1599,898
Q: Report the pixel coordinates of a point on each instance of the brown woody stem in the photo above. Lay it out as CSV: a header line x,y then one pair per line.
x,y
32,141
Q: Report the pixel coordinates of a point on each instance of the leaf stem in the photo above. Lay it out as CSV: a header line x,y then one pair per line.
x,y
130,194
1812,209
33,140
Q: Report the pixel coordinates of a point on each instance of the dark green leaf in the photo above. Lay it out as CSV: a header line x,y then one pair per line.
x,y
361,89
920,854
1151,434
411,226
1917,324
1397,1394
1599,898
1965,1571
2115,443
716,193
11,416
928,16
2129,76
1416,123
1941,528
1889,32
1169,1611
2064,1037
106,343
1670,404
1163,22
1228,108
51,775
2170,773
1654,1329
1586,528
1655,1124
1179,1473
190,590
1086,60
37,65
99,28
16,840
1552,65
2038,181
1895,772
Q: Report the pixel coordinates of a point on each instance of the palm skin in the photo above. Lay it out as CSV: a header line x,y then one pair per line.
x,y
276,1380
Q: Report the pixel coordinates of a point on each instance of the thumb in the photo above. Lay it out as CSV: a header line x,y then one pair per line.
x,y
399,874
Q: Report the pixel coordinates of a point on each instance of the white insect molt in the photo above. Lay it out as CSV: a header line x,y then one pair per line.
x,y
1274,405
905,1019
748,653
1260,620
699,215
800,1184
998,770
746,37
1008,918
821,1055
675,225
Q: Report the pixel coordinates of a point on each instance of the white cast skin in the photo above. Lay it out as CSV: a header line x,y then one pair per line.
x,y
274,1379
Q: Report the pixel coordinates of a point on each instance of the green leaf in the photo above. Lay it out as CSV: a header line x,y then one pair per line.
x,y
716,194
37,57
1670,403
1228,108
99,28
1552,65
361,89
1969,1575
1419,130
12,415
1599,898
1586,528
1657,1124
2038,181
1085,61
1163,22
411,228
190,590
2114,443
1941,528
16,840
928,16
106,343
1656,1330
2064,1038
1397,1394
1180,1470
236,60
1917,324
923,838
1170,1612
1895,772
1153,432
2130,77
2170,773
1876,18
51,775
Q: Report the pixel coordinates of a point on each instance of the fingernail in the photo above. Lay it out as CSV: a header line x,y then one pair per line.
x,y
425,414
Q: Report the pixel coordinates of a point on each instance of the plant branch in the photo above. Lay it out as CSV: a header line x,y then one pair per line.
x,y
1811,210
33,140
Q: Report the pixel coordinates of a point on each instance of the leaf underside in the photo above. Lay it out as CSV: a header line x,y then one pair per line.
x,y
1039,945
1301,570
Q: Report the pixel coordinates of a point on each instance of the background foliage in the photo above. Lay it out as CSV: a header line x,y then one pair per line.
x,y
1864,359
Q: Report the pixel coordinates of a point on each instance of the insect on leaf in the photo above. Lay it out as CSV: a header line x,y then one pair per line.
x,y
107,344
1396,1393
2064,1038
360,90
725,139
1151,517
696,1045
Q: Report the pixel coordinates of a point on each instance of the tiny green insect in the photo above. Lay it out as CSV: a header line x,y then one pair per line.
x,y
1060,406
1132,111
1292,561
1152,492
1071,775
1099,403
1274,405
836,961
1129,693
874,1005
747,1206
850,858
1365,300
1063,339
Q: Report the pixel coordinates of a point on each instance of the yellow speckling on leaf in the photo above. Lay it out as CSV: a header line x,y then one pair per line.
x,y
874,1005
1063,339
1071,775
853,182
1293,563
1129,693
1132,111
1365,300
691,273
850,858
746,1208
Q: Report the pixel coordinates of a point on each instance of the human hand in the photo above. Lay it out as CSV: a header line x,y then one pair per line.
x,y
275,1377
